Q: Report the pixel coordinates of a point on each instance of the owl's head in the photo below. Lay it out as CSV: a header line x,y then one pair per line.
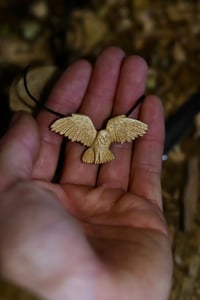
x,y
104,137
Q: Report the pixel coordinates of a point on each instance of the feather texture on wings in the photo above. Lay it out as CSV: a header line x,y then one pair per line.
x,y
77,128
123,129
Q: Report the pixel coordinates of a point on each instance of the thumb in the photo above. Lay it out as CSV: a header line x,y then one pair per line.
x,y
18,149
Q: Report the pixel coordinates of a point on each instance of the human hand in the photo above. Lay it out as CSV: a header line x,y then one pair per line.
x,y
99,233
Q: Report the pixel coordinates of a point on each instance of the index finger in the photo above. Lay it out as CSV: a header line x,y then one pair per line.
x,y
65,98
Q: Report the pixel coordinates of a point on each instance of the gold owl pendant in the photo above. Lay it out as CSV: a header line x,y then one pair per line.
x,y
80,128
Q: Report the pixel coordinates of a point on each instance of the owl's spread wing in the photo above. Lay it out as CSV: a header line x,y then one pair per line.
x,y
123,129
77,127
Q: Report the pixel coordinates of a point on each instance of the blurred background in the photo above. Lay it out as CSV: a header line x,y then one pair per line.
x,y
167,34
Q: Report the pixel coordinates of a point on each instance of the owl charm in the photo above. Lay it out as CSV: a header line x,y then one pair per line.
x,y
80,128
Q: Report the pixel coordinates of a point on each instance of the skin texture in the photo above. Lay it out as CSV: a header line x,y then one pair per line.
x,y
99,233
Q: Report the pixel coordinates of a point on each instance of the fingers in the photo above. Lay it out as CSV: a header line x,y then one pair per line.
x,y
65,98
98,103
18,150
131,86
147,157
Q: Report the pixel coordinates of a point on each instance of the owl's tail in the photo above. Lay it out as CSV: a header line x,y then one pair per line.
x,y
100,157
88,156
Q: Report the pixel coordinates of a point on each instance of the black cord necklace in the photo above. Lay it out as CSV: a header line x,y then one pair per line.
x,y
25,73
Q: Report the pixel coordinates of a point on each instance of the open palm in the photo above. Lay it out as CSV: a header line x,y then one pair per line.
x,y
116,244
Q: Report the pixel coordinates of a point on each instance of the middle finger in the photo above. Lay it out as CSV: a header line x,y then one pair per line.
x,y
131,87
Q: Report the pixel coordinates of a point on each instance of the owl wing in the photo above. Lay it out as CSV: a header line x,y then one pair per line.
x,y
77,128
123,129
